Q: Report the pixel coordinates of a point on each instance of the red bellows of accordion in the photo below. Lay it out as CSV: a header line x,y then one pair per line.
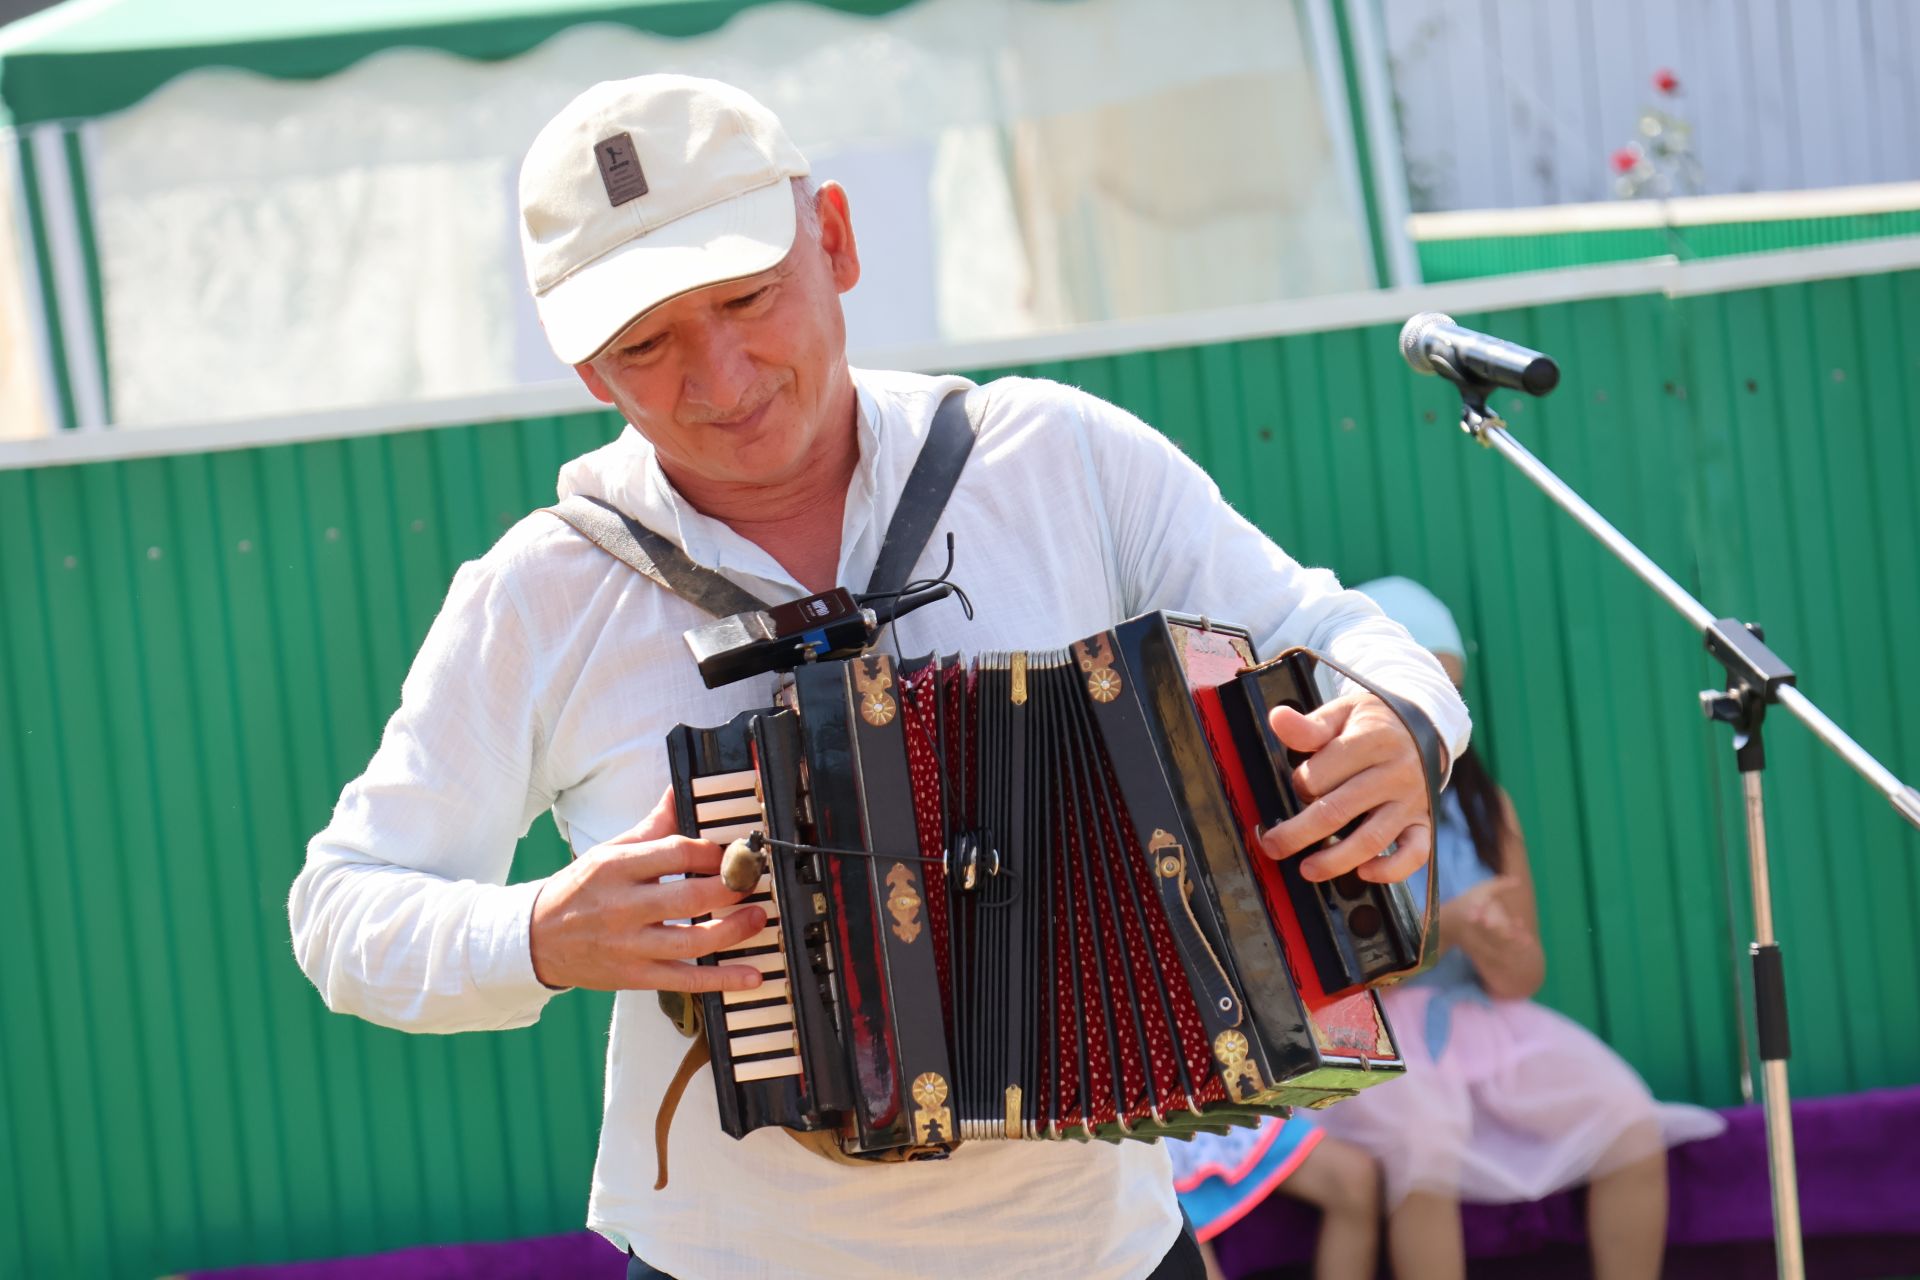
x,y
1116,926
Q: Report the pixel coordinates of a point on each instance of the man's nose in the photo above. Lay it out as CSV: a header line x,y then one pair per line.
x,y
719,372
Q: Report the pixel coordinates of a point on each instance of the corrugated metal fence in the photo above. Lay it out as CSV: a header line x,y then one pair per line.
x,y
197,651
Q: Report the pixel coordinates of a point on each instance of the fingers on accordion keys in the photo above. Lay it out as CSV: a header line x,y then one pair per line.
x,y
742,865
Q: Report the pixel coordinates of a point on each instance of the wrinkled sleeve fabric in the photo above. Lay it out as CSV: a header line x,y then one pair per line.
x,y
402,914
1178,545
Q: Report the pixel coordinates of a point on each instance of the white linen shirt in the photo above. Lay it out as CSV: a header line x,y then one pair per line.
x,y
550,680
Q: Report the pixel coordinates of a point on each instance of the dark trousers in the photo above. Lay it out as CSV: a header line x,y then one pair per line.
x,y
1181,1263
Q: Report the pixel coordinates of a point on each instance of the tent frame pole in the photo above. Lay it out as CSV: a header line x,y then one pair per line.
x,y
67,254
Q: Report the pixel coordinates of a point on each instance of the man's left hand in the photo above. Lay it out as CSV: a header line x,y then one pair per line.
x,y
1363,763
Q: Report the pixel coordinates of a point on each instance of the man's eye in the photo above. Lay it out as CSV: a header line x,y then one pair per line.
x,y
746,300
642,348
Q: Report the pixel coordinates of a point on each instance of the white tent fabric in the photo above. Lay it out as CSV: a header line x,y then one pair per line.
x,y
271,247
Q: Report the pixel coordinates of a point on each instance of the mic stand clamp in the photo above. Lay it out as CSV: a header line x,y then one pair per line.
x,y
1476,416
1754,676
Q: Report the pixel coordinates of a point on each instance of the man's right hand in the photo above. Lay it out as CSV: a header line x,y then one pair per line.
x,y
601,922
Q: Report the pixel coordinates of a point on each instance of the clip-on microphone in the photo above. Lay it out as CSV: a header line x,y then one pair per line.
x,y
832,624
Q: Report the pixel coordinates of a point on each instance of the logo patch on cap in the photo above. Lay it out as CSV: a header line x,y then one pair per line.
x,y
620,169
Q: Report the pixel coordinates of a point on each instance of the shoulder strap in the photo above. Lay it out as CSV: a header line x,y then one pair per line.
x,y
924,499
1426,740
654,556
922,502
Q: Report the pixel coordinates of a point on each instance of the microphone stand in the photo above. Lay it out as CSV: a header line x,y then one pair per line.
x,y
1756,679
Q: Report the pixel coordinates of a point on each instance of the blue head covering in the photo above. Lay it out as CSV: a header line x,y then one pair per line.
x,y
1418,610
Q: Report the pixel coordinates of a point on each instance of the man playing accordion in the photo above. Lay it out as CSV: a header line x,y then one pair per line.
x,y
683,263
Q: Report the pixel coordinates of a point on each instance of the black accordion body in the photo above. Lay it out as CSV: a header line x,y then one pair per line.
x,y
1021,898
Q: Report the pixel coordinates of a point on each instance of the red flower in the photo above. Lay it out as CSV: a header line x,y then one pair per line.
x,y
1665,81
1626,159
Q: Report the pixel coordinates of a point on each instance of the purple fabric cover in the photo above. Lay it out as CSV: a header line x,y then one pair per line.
x,y
578,1255
1859,1162
1858,1154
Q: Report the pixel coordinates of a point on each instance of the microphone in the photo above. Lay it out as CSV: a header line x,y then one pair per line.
x,y
833,624
886,608
1433,343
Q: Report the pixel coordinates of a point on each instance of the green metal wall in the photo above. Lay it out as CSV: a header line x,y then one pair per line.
x,y
1459,259
197,651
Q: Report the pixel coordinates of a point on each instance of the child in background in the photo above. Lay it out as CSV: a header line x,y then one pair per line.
x,y
1504,1100
1219,1177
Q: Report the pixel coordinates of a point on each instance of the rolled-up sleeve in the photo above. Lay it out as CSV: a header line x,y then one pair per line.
x,y
1181,546
402,914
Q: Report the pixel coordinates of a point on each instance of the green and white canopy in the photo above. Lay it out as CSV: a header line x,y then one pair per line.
x,y
240,208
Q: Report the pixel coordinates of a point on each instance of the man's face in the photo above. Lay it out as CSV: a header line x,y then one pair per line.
x,y
738,384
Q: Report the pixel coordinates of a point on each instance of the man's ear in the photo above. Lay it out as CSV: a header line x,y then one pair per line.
x,y
596,385
836,235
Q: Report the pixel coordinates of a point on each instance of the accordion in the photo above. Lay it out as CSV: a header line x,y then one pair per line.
x,y
1021,897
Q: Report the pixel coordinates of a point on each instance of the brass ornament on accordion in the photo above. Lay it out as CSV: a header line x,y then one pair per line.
x,y
1022,898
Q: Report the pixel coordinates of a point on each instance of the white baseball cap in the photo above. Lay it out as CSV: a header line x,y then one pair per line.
x,y
641,190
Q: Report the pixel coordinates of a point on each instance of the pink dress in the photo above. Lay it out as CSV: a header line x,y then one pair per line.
x,y
1503,1100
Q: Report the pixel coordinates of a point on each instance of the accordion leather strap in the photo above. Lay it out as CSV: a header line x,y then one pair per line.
x,y
821,1143
923,501
1426,740
699,1053
653,556
924,498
